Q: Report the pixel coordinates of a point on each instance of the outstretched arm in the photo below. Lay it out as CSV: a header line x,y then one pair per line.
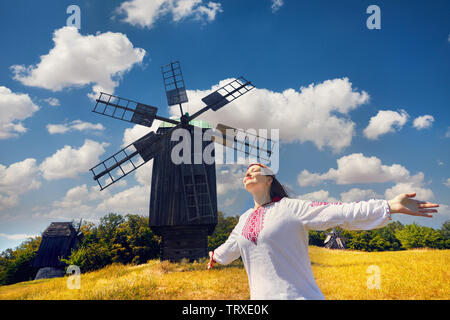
x,y
361,215
227,252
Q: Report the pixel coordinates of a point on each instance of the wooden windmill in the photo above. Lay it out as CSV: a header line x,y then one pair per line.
x,y
334,240
58,240
183,200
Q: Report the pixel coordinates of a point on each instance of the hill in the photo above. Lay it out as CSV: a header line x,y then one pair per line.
x,y
410,274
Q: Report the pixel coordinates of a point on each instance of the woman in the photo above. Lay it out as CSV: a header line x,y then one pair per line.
x,y
272,237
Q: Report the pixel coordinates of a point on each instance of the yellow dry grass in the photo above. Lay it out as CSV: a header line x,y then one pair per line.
x,y
412,274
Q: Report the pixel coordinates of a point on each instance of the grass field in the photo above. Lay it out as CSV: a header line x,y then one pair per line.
x,y
411,274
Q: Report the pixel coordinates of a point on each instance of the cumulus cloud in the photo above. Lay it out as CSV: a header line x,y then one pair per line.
x,y
68,162
133,200
409,187
14,107
74,125
276,5
229,178
77,60
145,13
53,102
320,195
309,114
17,236
356,194
423,122
357,168
447,183
16,179
385,121
130,135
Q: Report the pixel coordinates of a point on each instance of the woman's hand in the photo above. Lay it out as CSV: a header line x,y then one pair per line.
x,y
211,261
404,204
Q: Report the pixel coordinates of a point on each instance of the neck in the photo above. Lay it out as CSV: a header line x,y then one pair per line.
x,y
261,199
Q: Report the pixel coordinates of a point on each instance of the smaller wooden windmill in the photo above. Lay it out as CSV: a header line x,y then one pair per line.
x,y
334,240
58,240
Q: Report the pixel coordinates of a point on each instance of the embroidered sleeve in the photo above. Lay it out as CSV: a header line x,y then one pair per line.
x,y
361,215
229,250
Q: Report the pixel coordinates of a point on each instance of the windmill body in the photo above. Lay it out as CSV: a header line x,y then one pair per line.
x,y
334,240
183,204
183,200
57,242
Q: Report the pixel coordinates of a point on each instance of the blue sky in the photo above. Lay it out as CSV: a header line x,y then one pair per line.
x,y
362,113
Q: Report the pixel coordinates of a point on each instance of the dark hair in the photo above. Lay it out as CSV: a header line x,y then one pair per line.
x,y
277,190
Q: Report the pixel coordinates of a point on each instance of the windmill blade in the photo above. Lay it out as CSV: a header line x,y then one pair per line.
x,y
244,141
327,239
174,84
127,110
127,160
225,95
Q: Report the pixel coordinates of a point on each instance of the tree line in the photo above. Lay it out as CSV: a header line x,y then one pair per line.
x,y
129,240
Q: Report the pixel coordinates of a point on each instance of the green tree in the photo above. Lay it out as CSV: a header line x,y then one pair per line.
x,y
445,232
415,236
17,265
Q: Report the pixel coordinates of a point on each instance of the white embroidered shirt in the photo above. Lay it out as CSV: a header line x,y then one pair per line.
x,y
273,242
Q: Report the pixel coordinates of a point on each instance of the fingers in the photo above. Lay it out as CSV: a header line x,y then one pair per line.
x,y
428,205
427,211
410,195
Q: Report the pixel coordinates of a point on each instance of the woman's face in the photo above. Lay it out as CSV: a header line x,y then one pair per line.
x,y
254,181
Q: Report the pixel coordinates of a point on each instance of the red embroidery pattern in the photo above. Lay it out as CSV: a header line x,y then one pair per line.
x,y
321,203
254,225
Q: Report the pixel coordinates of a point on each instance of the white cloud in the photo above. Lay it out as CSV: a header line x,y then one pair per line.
x,y
229,201
305,115
73,198
145,13
18,236
143,174
69,162
130,135
18,178
134,200
53,102
14,107
276,5
447,183
77,60
8,201
423,122
229,178
74,125
385,121
409,187
320,195
356,194
357,168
